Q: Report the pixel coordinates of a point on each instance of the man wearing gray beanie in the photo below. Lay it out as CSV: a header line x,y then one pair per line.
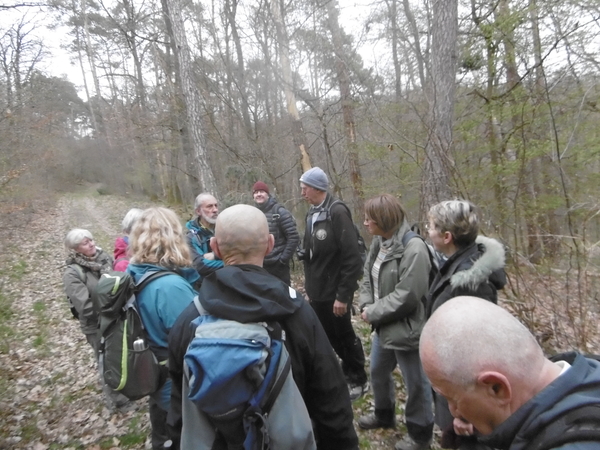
x,y
332,267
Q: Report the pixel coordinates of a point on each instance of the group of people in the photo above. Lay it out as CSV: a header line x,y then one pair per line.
x,y
237,263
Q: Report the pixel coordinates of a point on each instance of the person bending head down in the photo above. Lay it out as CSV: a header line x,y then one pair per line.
x,y
484,361
242,236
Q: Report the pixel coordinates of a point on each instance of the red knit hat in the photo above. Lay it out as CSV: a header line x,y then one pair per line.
x,y
260,186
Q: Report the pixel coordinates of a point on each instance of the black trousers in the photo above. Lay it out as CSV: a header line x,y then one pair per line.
x,y
344,341
281,271
158,422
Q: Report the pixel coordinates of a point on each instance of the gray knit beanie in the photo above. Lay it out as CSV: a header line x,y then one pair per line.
x,y
315,178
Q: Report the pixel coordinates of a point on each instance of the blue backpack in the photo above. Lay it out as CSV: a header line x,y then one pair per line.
x,y
239,379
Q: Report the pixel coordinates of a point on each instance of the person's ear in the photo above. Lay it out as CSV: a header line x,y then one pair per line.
x,y
447,237
496,386
214,246
270,244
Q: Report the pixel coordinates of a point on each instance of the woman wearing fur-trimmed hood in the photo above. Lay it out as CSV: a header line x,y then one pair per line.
x,y
475,264
475,267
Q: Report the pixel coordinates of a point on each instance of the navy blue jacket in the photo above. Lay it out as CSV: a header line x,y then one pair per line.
x,y
578,386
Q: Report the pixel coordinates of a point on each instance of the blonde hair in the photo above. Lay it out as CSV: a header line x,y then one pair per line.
x,y
157,238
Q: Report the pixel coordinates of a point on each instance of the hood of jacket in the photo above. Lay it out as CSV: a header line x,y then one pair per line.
x,y
577,387
139,270
247,293
120,248
489,266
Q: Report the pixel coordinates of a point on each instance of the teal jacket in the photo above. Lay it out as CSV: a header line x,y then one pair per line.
x,y
398,315
198,239
161,302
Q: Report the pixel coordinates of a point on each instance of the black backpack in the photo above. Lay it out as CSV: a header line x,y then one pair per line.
x,y
127,363
433,260
362,247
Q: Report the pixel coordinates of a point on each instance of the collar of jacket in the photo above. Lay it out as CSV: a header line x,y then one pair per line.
x,y
492,258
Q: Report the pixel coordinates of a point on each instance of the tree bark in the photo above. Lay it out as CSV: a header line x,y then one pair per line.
x,y
193,101
298,135
343,79
441,97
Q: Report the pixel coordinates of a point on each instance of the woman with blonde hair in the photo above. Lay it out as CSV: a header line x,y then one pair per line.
x,y
395,280
157,243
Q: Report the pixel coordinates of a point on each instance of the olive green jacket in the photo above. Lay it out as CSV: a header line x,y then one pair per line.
x,y
398,315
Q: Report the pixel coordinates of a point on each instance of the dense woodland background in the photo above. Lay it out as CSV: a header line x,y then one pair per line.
x,y
492,101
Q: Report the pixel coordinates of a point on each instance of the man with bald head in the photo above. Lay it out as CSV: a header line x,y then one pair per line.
x,y
243,291
498,383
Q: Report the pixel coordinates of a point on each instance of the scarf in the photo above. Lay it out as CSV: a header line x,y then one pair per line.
x,y
93,263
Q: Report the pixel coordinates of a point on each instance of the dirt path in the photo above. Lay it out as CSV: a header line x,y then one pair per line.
x,y
50,397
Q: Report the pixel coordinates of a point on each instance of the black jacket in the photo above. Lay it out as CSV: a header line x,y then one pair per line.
x,y
247,293
477,270
283,228
332,261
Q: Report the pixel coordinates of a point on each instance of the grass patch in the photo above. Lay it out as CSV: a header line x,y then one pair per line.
x,y
137,434
18,270
6,313
38,341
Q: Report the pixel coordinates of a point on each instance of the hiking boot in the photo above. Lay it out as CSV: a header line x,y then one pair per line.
x,y
379,419
408,443
357,390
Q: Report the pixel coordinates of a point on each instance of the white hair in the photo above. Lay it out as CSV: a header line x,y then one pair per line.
x,y
75,237
132,215
201,199
467,335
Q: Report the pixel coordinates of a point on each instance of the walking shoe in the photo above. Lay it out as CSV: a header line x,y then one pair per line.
x,y
357,390
372,422
408,443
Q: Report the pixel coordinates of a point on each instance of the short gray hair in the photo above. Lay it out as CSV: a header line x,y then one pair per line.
x,y
459,218
201,198
75,236
132,215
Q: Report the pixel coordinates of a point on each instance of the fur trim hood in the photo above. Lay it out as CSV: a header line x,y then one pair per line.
x,y
489,266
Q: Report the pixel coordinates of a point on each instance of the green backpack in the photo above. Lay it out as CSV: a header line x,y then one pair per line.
x,y
128,364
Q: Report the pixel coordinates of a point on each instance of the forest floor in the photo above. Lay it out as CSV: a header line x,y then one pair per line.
x,y
50,397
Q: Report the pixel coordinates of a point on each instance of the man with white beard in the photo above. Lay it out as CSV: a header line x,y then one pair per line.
x,y
200,230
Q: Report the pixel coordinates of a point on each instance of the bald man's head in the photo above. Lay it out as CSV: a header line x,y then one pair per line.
x,y
242,235
467,335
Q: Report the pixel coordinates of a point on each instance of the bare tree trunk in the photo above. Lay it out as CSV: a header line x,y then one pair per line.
x,y
230,12
546,239
193,101
298,135
347,103
414,30
441,93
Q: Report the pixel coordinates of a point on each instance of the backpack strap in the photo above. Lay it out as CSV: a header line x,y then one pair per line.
x,y
408,236
151,276
144,281
581,424
80,272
